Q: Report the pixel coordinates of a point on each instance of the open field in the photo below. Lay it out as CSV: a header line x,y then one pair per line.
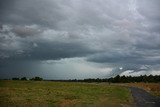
x,y
153,88
62,94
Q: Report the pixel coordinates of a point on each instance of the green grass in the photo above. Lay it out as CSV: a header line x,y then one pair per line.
x,y
62,94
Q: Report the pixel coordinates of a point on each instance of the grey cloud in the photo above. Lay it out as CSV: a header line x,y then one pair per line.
x,y
149,9
24,31
48,51
58,50
21,12
118,33
135,58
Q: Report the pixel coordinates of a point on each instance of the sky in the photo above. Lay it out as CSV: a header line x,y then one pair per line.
x,y
77,39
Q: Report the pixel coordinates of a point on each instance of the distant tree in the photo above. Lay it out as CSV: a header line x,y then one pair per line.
x,y
117,79
98,80
15,78
123,79
37,79
24,78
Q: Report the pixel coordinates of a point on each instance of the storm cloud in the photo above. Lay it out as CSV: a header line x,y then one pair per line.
x,y
104,34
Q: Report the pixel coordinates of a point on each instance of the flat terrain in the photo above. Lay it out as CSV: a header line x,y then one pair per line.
x,y
153,88
62,94
144,99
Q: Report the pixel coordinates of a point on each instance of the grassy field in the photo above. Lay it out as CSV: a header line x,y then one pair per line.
x,y
62,94
153,88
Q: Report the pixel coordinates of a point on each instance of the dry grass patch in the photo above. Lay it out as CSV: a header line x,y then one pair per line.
x,y
62,94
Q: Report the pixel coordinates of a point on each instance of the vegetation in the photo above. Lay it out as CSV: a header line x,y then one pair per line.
x,y
15,79
62,94
127,79
24,78
74,93
37,79
116,79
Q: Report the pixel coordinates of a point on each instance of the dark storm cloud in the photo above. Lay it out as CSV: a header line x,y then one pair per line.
x,y
125,58
120,33
58,50
28,43
21,12
52,51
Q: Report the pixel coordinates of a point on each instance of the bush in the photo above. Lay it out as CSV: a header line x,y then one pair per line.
x,y
24,78
37,79
15,78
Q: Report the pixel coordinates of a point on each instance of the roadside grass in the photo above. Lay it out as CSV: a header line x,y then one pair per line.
x,y
153,88
62,94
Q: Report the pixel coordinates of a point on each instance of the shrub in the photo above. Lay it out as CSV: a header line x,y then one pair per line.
x,y
24,78
37,79
15,78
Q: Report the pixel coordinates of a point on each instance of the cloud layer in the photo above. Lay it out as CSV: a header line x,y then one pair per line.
x,y
109,33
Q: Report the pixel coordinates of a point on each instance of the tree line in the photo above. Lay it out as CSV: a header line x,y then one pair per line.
x,y
116,79
127,79
25,79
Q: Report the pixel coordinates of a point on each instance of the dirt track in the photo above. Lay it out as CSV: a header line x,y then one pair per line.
x,y
144,99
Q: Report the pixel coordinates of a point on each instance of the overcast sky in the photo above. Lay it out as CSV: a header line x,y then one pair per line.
x,y
67,39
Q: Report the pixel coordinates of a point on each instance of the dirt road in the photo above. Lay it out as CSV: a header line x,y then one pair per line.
x,y
144,99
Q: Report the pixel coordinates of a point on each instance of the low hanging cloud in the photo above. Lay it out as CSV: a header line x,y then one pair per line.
x,y
109,33
24,31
